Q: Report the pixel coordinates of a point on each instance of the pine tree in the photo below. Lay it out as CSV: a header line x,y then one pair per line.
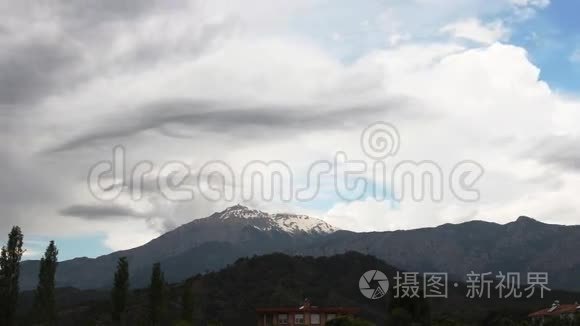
x,y
157,295
10,256
187,302
120,291
44,305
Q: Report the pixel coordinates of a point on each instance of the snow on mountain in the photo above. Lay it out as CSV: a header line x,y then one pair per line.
x,y
290,223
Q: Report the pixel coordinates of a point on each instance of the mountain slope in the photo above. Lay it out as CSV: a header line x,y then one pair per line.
x,y
203,244
232,294
211,243
525,245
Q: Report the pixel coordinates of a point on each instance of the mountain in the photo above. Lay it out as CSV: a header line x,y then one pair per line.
x,y
211,243
525,245
289,223
202,245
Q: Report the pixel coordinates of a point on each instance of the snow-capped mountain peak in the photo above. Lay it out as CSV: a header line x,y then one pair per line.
x,y
240,211
290,223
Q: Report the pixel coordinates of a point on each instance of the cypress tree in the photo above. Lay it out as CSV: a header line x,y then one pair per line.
x,y
45,308
10,256
120,291
157,295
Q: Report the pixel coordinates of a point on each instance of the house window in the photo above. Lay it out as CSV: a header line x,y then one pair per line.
x,y
283,319
299,319
314,319
330,317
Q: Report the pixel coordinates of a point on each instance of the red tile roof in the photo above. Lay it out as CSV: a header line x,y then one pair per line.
x,y
561,309
337,310
307,307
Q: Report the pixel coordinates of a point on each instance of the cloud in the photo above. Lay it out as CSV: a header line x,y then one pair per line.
x,y
531,3
33,69
541,180
474,30
250,122
99,211
575,56
526,9
195,81
560,151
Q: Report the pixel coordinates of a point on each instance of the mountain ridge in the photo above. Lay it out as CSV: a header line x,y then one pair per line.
x,y
213,242
234,236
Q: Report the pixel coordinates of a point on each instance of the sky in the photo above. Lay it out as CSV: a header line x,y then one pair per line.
x,y
491,82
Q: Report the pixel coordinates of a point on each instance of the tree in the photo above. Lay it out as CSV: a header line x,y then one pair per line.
x,y
187,302
156,295
446,322
44,303
120,291
576,320
348,321
183,323
10,256
214,323
408,311
556,321
401,317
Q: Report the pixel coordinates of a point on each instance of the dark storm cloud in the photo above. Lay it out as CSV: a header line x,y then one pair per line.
x,y
93,12
93,212
25,186
31,70
80,16
246,122
111,211
37,62
559,151
22,180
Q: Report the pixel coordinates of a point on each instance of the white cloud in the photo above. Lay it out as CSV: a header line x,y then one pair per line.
x,y
526,9
489,105
475,30
118,238
531,3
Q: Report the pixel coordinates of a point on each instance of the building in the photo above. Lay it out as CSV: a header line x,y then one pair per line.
x,y
566,312
304,315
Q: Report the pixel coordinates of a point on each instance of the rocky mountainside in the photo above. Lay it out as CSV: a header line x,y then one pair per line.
x,y
201,245
211,243
525,245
